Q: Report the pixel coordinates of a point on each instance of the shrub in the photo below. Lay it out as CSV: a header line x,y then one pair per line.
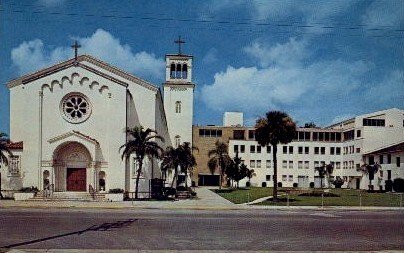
x,y
169,191
311,184
116,190
264,184
338,182
33,189
248,184
294,185
389,185
181,188
279,184
398,185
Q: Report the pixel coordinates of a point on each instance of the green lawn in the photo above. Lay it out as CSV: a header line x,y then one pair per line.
x,y
244,195
347,197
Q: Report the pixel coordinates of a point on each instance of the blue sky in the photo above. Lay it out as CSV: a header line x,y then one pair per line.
x,y
320,61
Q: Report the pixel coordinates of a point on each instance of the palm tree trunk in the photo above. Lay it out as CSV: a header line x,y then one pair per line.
x,y
138,177
275,193
174,177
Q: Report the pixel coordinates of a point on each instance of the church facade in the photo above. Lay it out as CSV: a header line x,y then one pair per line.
x,y
68,121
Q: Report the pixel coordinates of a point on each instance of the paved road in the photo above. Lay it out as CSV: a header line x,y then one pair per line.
x,y
201,230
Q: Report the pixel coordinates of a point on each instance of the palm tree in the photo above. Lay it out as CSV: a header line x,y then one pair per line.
x,y
171,160
371,170
276,127
250,173
141,144
219,158
187,161
4,149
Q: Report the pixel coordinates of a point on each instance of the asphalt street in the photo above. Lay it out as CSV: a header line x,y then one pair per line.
x,y
151,229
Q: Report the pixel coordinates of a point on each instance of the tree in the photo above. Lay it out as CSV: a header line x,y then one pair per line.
x,y
250,173
141,143
325,170
219,158
180,157
275,128
310,125
236,170
370,170
4,149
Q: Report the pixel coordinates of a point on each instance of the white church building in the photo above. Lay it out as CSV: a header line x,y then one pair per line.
x,y
68,121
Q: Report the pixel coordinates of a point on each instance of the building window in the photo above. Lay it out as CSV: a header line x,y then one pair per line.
x,y
268,164
258,149
358,150
316,164
178,71
238,134
398,161
300,164
338,165
252,163
177,141
389,159
242,148
371,160
306,165
268,178
358,133
300,150
184,71
14,166
252,148
268,149
290,178
290,149
258,164
172,70
332,151
374,122
290,164
285,149
306,150
284,178
284,164
323,150
235,148
75,108
210,132
316,150
178,107
381,159
338,150
251,134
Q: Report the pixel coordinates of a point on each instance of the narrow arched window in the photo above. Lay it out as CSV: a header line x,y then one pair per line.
x,y
178,71
172,70
177,141
184,71
178,107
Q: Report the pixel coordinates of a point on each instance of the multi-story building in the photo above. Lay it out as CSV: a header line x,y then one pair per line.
x,y
346,145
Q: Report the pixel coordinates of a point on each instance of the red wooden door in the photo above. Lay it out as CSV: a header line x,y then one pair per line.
x,y
76,179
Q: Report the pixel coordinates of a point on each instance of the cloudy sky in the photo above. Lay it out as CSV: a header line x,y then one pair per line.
x,y
320,61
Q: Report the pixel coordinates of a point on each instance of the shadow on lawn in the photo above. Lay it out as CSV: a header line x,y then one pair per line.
x,y
102,227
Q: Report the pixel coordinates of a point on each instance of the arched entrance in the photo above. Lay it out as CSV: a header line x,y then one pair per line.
x,y
71,162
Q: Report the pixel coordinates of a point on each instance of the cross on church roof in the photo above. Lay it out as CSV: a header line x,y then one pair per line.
x,y
76,46
179,42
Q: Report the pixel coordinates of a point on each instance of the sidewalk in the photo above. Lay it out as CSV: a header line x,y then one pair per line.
x,y
207,200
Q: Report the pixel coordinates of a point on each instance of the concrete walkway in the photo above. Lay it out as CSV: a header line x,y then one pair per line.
x,y
206,199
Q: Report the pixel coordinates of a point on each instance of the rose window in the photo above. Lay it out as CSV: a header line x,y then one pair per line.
x,y
75,108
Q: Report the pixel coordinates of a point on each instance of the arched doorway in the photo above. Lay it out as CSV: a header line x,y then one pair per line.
x,y
71,162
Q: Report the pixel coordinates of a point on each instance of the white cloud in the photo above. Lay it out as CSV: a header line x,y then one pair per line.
x,y
30,56
254,90
384,13
210,57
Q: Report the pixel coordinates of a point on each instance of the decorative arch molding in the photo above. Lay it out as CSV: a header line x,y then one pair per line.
x,y
75,78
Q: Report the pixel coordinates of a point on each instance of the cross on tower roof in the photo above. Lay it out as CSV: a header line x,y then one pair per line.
x,y
76,46
179,42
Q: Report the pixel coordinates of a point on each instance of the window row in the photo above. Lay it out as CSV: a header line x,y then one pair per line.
x,y
210,132
374,122
371,160
179,71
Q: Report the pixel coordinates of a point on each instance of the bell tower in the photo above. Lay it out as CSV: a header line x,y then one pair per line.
x,y
179,96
